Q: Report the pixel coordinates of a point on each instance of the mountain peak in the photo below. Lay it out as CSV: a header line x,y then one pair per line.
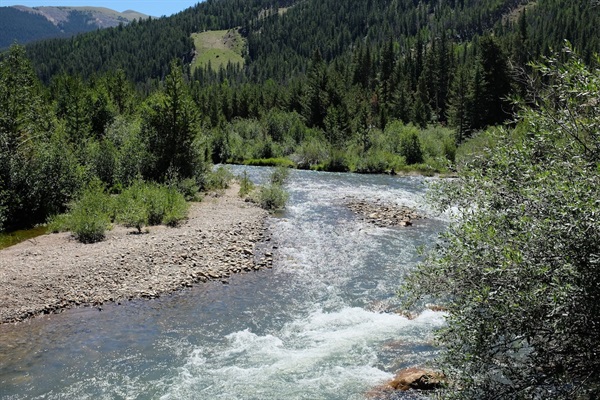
x,y
26,24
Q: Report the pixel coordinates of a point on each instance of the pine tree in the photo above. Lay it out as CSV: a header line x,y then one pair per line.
x,y
458,104
421,109
316,100
73,106
21,108
496,75
169,127
386,71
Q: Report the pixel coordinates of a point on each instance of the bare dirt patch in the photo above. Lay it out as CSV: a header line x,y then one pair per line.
x,y
55,272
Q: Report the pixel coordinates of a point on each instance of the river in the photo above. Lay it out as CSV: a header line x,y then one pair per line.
x,y
319,325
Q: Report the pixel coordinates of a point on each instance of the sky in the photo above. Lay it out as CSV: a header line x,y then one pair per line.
x,y
153,7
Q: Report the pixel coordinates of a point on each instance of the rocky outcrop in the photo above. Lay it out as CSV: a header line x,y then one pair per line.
x,y
384,215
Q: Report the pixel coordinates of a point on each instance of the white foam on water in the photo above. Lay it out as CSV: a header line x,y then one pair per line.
x,y
327,355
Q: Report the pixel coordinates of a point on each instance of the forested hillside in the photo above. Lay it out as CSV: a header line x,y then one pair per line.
x,y
367,86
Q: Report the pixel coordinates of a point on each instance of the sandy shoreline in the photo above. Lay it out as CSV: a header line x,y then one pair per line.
x,y
54,272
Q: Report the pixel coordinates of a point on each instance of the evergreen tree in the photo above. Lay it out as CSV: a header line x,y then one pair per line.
x,y
458,105
444,66
21,111
316,100
73,107
421,108
496,76
477,100
387,70
169,128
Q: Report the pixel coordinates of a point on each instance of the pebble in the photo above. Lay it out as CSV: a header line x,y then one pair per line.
x,y
384,215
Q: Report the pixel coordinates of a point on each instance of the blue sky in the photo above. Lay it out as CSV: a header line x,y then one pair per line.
x,y
154,8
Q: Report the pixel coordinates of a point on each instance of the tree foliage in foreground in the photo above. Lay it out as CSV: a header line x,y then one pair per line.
x,y
520,266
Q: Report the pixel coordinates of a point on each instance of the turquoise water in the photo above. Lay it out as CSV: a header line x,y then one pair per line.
x,y
319,325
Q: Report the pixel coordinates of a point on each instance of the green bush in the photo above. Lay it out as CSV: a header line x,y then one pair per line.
x,y
101,160
279,176
246,185
410,147
313,151
150,204
91,215
176,209
379,161
188,188
131,207
338,161
131,154
518,267
438,142
59,223
272,197
218,179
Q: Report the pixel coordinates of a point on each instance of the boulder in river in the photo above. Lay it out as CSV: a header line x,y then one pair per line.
x,y
417,378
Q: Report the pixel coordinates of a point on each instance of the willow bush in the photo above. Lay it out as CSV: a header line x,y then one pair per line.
x,y
91,215
519,268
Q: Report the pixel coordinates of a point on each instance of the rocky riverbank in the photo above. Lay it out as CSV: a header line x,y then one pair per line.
x,y
383,215
223,235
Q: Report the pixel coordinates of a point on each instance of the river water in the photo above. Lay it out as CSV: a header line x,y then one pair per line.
x,y
319,325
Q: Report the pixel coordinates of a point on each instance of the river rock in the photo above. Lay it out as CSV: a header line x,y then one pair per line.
x,y
384,215
417,378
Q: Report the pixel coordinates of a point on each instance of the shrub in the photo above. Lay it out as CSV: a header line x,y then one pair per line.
x,y
337,162
378,161
270,162
279,176
150,204
519,266
218,179
59,223
91,215
188,188
438,142
311,152
160,202
410,147
246,185
131,210
176,207
272,197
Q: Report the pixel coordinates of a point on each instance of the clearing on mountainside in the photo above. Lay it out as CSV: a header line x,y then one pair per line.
x,y
218,48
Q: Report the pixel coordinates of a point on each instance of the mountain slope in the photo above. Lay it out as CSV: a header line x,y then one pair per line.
x,y
24,24
280,44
